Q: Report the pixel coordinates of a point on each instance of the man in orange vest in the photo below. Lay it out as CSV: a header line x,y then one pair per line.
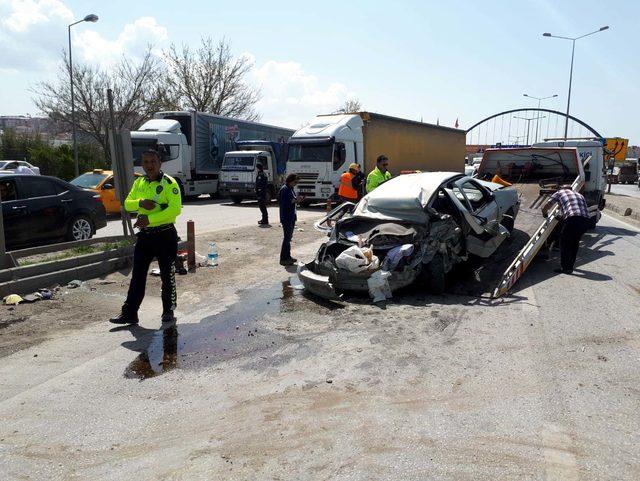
x,y
347,192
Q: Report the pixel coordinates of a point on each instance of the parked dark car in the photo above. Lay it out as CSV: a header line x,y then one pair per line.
x,y
39,210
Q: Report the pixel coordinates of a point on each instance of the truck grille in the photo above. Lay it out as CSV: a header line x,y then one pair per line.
x,y
308,177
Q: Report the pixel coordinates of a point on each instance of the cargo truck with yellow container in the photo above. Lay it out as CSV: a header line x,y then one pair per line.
x,y
321,151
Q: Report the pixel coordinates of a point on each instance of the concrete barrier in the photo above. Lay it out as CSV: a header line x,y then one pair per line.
x,y
25,279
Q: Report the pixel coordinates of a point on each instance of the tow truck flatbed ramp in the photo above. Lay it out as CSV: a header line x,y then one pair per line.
x,y
530,216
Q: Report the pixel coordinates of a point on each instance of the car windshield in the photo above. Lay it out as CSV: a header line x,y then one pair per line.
x,y
138,146
310,153
89,180
243,163
2,164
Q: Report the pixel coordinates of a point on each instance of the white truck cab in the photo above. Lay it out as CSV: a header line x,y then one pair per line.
x,y
165,136
322,151
238,174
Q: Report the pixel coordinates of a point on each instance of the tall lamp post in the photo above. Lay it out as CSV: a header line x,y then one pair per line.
x,y
539,99
89,18
528,121
573,50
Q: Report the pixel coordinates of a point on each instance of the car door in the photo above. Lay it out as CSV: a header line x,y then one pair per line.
x,y
14,213
480,213
108,194
46,209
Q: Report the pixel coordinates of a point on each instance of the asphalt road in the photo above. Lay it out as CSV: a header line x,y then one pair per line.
x,y
210,215
542,385
631,190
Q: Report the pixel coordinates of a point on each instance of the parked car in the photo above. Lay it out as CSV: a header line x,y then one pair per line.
x,y
439,217
39,209
101,182
11,166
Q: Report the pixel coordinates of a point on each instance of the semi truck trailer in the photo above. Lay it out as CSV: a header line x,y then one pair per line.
x,y
193,144
322,151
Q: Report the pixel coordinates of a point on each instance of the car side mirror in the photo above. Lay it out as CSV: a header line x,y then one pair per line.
x,y
107,186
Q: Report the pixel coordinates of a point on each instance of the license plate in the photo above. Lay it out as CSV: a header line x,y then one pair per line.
x,y
234,190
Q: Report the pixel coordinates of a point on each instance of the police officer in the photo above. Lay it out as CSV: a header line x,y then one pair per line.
x,y
156,199
262,190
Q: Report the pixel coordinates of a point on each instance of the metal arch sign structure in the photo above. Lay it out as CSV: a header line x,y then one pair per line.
x,y
555,112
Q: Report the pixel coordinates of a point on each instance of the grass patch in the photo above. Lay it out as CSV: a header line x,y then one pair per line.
x,y
74,252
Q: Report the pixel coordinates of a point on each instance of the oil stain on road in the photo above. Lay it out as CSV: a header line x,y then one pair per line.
x,y
227,335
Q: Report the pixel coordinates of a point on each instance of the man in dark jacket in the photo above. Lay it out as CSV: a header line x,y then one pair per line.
x,y
358,181
287,198
262,191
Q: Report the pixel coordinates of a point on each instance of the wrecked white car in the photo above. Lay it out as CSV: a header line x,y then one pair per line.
x,y
413,227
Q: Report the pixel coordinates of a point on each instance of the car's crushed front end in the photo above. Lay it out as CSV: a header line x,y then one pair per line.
x,y
327,277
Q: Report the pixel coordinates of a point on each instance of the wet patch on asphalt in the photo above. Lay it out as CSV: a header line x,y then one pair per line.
x,y
235,332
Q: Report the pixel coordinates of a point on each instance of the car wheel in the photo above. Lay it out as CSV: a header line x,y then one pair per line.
x,y
435,275
80,228
236,200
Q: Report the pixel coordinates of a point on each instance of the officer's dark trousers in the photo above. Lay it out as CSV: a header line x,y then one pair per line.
x,y
262,203
287,231
572,230
161,244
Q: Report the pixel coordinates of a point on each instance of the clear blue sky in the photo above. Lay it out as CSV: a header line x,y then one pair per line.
x,y
429,59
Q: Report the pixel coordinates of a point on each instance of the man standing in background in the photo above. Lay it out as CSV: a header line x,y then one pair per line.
x,y
262,190
380,174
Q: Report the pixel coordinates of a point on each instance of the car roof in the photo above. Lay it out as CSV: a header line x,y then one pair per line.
x,y
404,197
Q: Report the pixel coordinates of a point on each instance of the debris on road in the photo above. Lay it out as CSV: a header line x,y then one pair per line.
x,y
74,284
12,300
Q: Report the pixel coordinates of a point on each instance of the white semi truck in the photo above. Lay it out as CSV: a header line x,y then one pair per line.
x,y
322,151
193,145
239,173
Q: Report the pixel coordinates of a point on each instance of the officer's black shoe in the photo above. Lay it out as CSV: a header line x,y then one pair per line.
x,y
168,317
125,318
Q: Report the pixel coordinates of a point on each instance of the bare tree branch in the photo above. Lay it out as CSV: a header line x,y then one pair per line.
x,y
210,79
349,106
137,93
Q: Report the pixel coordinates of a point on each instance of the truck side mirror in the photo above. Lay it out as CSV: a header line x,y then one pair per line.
x,y
342,152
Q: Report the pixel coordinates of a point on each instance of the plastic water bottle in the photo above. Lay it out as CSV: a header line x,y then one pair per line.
x,y
212,256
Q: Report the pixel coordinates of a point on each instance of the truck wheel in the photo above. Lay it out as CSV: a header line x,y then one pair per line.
x,y
236,200
434,275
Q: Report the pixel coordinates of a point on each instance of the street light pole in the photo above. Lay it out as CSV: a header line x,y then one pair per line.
x,y
89,18
573,51
528,121
539,99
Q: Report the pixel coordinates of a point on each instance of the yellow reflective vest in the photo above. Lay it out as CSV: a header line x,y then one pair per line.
x,y
164,192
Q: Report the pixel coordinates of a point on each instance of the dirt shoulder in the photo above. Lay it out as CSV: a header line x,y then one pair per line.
x,y
248,256
624,206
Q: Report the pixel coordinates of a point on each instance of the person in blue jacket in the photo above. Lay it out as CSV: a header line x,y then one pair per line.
x,y
287,199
